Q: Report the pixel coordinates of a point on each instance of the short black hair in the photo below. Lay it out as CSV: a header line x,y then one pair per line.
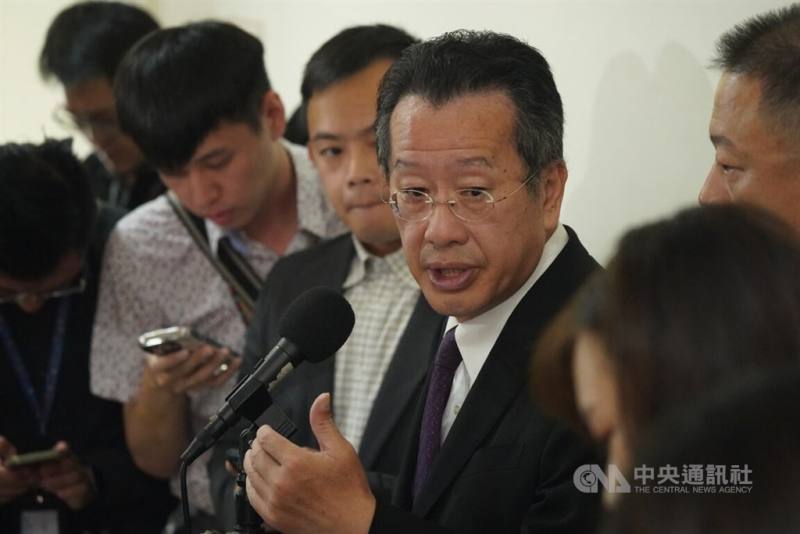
x,y
178,84
767,48
297,127
466,62
350,51
46,208
88,40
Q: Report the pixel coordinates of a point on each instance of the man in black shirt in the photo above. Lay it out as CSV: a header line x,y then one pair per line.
x,y
51,239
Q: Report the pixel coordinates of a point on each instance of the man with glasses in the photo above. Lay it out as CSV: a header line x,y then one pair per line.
x,y
84,45
469,134
51,241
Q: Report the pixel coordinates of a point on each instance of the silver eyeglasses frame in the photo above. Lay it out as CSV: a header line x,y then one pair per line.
x,y
456,207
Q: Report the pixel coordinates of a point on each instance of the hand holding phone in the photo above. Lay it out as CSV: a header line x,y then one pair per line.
x,y
13,482
67,478
33,459
169,340
184,361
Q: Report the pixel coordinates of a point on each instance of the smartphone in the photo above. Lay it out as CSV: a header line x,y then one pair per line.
x,y
168,340
33,458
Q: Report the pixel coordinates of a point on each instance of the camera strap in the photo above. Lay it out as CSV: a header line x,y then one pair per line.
x,y
234,268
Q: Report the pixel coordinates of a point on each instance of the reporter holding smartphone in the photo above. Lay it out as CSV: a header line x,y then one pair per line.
x,y
197,100
74,472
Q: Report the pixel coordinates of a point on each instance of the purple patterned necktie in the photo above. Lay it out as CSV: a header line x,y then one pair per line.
x,y
447,361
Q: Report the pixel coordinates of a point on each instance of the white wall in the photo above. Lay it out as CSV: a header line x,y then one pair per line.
x,y
632,74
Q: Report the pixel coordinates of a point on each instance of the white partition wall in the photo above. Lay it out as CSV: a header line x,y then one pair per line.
x,y
632,73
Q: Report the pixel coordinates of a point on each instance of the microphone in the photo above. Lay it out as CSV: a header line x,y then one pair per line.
x,y
313,328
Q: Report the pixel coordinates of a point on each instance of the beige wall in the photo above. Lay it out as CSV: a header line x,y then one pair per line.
x,y
632,74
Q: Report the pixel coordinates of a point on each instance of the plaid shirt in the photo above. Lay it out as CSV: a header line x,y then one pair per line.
x,y
383,294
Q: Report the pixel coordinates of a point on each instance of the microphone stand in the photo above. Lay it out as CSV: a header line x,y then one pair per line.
x,y
247,520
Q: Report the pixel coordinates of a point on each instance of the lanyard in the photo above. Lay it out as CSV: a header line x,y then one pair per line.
x,y
40,410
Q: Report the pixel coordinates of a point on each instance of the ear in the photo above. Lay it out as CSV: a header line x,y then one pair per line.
x,y
553,180
273,115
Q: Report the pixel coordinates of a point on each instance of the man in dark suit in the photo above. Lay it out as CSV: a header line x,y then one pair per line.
x,y
469,134
379,373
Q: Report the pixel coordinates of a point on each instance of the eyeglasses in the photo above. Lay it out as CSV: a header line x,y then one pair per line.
x,y
470,205
27,296
94,123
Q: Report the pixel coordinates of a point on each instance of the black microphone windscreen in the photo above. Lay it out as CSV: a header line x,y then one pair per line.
x,y
319,321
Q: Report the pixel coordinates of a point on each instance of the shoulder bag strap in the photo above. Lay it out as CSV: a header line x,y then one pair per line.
x,y
238,274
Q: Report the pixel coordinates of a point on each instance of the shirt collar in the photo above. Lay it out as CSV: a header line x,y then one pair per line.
x,y
395,262
476,337
240,242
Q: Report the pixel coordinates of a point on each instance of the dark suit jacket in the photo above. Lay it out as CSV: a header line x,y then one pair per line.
x,y
390,424
504,467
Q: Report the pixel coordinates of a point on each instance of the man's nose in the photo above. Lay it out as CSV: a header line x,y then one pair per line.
x,y
363,167
205,190
713,190
444,228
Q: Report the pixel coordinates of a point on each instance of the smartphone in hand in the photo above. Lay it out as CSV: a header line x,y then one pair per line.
x,y
168,340
31,459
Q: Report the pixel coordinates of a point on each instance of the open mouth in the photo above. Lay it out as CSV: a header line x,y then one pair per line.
x,y
451,278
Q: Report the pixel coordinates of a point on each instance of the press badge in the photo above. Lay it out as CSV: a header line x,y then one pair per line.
x,y
39,522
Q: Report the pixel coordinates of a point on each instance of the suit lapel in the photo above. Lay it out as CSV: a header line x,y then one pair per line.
x,y
497,385
329,273
403,378
504,374
333,271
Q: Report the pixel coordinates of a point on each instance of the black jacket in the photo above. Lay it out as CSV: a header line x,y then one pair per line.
x,y
504,467
128,500
389,426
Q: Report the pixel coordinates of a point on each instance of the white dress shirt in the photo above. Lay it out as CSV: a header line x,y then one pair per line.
x,y
476,337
